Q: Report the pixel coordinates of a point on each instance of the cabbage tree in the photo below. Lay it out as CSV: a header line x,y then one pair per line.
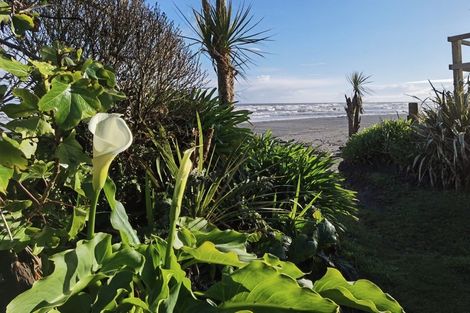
x,y
354,106
227,36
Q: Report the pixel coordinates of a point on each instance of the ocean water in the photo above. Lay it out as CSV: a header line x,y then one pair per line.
x,y
262,112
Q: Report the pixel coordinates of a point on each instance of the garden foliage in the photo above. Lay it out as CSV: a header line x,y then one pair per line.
x,y
46,199
444,141
388,142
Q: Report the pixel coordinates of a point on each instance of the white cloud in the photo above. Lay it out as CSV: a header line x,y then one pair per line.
x,y
276,88
407,90
269,88
433,81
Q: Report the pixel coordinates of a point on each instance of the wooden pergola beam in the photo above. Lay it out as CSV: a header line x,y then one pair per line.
x,y
463,67
458,37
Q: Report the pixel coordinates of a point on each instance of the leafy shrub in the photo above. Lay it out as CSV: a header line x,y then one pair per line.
x,y
219,133
44,170
290,164
117,272
130,276
390,141
444,141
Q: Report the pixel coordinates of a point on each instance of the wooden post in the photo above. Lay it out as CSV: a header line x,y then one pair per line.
x,y
457,63
413,111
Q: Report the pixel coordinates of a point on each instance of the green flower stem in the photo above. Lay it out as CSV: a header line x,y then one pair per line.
x,y
92,215
175,210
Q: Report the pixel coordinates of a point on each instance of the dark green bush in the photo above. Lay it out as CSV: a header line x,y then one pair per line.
x,y
390,141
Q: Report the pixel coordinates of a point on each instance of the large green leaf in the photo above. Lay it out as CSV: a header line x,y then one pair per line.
x,y
5,10
259,287
195,232
11,155
108,296
14,67
27,106
168,290
78,221
31,127
58,99
362,294
22,23
208,253
5,175
283,267
119,218
74,270
70,152
38,170
46,69
71,102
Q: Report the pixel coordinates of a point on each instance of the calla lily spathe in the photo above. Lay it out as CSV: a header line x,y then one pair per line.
x,y
111,136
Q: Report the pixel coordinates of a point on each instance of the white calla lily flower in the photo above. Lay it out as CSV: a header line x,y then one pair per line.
x,y
111,136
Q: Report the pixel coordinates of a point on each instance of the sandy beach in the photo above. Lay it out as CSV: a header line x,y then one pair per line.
x,y
329,134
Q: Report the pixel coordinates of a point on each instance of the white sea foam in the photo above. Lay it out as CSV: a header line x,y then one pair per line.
x,y
280,111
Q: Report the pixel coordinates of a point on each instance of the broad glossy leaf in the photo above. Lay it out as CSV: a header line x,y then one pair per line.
x,y
71,102
259,287
22,234
78,221
362,294
5,176
108,295
70,152
38,170
97,71
73,271
208,253
119,218
48,54
11,155
29,127
22,23
57,99
29,147
283,267
224,240
76,303
84,102
109,97
14,67
46,69
124,257
27,106
5,10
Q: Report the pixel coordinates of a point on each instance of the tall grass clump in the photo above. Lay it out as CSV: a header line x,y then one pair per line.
x,y
444,141
299,172
389,142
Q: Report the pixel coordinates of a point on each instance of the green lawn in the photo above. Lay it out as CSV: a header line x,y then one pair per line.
x,y
413,242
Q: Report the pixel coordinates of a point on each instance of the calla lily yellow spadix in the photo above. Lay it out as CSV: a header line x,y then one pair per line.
x,y
111,136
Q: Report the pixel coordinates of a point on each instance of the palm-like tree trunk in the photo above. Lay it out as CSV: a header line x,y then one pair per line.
x,y
226,80
224,68
353,109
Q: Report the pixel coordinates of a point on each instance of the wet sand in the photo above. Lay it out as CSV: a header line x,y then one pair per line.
x,y
329,134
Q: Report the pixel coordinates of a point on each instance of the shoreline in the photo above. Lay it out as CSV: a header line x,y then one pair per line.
x,y
326,133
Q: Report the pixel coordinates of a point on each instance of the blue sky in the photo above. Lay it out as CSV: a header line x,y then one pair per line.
x,y
316,43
